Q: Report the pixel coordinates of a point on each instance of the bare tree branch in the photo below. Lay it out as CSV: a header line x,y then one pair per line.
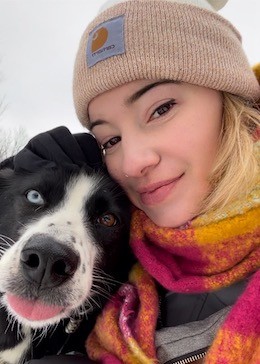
x,y
11,141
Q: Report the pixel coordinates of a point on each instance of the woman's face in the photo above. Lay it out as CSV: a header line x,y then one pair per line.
x,y
160,140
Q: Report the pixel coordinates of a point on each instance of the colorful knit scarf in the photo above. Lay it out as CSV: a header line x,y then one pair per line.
x,y
213,252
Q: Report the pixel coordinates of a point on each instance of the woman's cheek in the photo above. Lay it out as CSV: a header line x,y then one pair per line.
x,y
114,171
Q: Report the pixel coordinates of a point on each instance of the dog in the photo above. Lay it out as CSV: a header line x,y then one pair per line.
x,y
64,249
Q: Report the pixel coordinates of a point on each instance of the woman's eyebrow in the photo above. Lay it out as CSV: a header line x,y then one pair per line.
x,y
130,100
146,88
92,124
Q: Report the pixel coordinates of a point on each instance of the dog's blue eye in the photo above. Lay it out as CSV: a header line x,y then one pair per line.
x,y
34,197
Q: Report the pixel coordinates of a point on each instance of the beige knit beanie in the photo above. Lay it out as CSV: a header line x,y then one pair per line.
x,y
182,40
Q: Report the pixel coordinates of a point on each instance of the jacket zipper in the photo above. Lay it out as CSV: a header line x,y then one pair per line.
x,y
199,355
191,358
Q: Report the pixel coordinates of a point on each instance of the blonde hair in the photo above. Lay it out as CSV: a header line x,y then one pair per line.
x,y
237,163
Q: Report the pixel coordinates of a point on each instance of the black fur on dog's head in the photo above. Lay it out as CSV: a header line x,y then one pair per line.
x,y
63,240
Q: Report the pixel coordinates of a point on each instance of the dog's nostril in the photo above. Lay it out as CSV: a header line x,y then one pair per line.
x,y
31,260
61,268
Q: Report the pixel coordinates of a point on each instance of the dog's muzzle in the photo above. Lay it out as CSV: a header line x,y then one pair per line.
x,y
47,269
47,263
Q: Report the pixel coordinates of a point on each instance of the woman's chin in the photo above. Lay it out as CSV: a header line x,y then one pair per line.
x,y
169,220
176,211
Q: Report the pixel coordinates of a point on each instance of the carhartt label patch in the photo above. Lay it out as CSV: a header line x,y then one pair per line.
x,y
106,40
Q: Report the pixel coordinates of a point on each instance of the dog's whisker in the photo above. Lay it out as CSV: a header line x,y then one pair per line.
x,y
34,337
102,295
23,225
38,338
99,293
95,302
7,238
53,329
19,331
100,290
85,308
8,326
106,286
106,290
96,269
99,273
104,281
79,312
88,306
11,322
3,251
106,296
5,241
42,334
46,329
38,208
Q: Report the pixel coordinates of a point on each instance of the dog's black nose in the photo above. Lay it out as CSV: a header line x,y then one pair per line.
x,y
47,262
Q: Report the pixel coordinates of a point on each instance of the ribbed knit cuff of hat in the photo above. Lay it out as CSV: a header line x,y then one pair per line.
x,y
161,39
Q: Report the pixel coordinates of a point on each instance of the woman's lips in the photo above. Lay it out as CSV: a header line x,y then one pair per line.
x,y
156,193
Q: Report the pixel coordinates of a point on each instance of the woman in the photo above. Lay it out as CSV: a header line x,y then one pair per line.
x,y
167,91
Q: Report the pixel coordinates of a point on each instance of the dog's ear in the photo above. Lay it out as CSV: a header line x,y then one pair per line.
x,y
6,171
7,163
6,175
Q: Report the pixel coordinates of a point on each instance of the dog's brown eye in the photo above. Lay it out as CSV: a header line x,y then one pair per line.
x,y
107,220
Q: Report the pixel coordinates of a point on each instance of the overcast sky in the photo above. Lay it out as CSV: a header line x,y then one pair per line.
x,y
38,42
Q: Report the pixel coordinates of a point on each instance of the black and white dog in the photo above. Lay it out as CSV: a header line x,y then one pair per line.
x,y
63,246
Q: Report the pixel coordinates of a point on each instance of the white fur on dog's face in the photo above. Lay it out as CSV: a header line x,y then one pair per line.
x,y
66,224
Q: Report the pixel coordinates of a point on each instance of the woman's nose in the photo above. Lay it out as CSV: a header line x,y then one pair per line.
x,y
138,158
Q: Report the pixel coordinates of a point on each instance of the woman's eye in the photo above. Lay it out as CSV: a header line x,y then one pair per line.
x,y
162,109
35,197
110,143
